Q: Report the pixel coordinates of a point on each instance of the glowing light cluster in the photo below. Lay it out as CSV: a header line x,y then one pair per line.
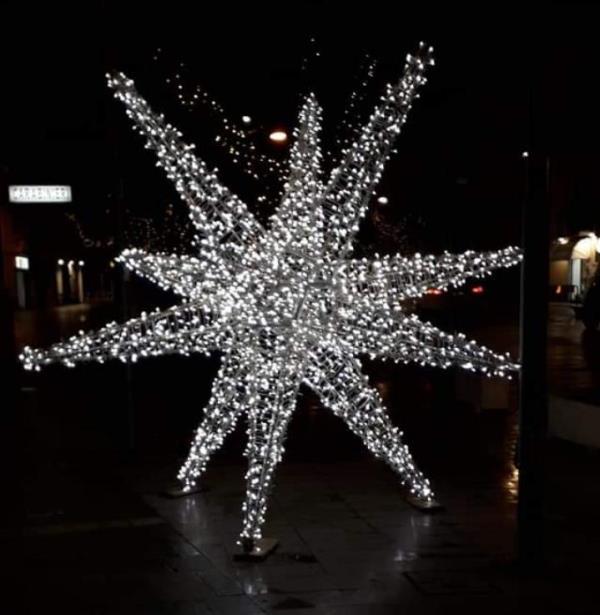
x,y
350,126
286,304
234,139
240,141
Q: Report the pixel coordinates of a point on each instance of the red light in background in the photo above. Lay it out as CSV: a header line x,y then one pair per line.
x,y
477,290
434,291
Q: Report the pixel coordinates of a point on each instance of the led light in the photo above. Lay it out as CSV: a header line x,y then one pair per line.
x,y
246,119
525,154
278,136
383,200
60,262
81,263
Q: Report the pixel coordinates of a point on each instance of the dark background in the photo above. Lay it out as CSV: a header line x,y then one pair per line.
x,y
459,166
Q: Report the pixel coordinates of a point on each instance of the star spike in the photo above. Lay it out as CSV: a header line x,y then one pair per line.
x,y
390,279
351,184
223,219
182,329
185,275
299,210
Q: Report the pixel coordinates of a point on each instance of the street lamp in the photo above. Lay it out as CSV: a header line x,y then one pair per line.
x,y
278,136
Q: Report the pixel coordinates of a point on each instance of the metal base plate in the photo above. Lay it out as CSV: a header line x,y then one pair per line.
x,y
423,504
261,549
178,492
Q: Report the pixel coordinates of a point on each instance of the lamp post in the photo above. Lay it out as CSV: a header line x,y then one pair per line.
x,y
533,399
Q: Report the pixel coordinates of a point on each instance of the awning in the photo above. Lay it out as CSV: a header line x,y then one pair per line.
x,y
562,251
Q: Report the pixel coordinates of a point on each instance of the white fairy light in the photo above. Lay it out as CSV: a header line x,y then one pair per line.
x,y
235,139
138,230
349,127
286,304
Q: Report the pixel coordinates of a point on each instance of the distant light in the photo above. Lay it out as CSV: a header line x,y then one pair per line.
x,y
383,200
39,194
558,290
477,290
60,261
434,291
70,263
81,263
563,240
246,119
22,262
525,154
278,136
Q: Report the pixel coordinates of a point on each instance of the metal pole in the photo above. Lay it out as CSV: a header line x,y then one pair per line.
x,y
124,292
533,415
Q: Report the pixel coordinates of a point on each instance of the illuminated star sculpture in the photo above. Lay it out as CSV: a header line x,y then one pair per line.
x,y
286,305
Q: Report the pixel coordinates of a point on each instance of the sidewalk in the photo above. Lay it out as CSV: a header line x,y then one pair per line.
x,y
348,545
573,357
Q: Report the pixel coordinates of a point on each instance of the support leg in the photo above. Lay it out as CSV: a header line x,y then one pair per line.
x,y
228,398
341,385
275,400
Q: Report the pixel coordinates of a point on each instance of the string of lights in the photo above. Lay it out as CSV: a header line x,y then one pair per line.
x,y
142,231
236,139
239,140
286,304
350,125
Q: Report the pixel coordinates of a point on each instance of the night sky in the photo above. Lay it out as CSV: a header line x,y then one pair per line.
x,y
502,75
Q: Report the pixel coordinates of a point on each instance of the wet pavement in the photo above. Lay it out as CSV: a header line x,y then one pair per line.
x,y
348,544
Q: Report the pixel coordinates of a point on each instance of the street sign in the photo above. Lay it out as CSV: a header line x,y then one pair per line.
x,y
39,194
22,263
